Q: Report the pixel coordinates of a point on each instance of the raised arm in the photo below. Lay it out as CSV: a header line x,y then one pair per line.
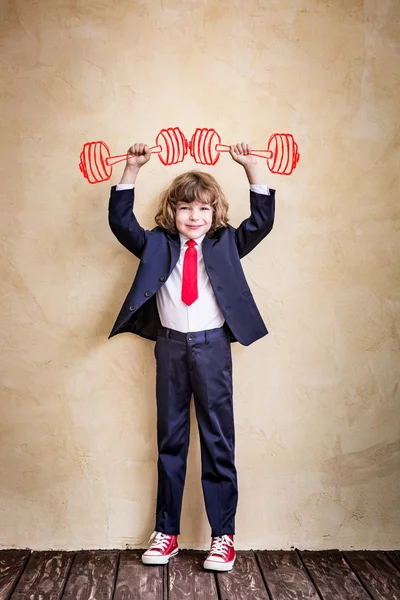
x,y
262,203
121,218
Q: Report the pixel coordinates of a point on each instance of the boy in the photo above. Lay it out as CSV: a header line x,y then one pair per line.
x,y
190,295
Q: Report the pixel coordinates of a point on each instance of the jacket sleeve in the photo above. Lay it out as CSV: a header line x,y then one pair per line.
x,y
123,222
258,225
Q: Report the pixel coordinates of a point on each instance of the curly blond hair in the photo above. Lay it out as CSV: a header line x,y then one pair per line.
x,y
188,187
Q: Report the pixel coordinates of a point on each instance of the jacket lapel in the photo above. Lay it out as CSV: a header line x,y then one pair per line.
x,y
174,245
207,247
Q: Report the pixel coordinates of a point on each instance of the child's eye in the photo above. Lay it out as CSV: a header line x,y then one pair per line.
x,y
205,208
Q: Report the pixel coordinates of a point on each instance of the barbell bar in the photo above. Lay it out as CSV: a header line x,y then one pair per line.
x,y
282,154
96,162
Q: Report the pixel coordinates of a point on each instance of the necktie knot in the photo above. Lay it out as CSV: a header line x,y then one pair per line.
x,y
191,243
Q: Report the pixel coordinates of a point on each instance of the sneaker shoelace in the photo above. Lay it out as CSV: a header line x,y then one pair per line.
x,y
160,542
220,545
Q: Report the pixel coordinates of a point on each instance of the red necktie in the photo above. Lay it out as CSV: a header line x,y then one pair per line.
x,y
189,274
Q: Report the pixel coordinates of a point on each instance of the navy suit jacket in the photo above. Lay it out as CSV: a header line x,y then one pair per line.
x,y
159,251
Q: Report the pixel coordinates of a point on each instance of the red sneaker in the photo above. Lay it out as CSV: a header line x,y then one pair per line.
x,y
222,554
160,551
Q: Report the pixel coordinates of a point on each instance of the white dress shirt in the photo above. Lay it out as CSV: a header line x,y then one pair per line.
x,y
204,313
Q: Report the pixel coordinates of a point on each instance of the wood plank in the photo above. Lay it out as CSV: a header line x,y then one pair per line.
x,y
92,575
12,563
285,576
44,576
332,576
379,576
244,581
189,580
394,557
137,581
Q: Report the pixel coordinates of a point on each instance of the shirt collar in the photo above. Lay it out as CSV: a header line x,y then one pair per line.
x,y
184,239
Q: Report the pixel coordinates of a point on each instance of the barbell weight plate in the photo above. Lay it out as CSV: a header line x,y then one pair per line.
x,y
200,146
102,154
212,141
173,145
203,146
191,145
202,142
284,153
162,140
207,135
90,163
179,144
290,155
93,160
182,144
273,147
194,146
203,149
86,161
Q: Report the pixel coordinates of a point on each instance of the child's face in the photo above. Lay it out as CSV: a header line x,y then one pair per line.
x,y
193,219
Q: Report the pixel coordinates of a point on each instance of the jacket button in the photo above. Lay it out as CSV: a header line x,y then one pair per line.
x,y
147,294
132,308
162,279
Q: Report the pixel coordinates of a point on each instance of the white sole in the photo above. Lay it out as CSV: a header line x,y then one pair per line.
x,y
215,566
158,560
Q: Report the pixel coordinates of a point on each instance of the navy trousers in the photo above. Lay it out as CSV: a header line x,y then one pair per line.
x,y
198,363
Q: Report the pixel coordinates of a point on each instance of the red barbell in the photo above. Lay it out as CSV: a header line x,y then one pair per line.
x,y
205,147
96,162
282,154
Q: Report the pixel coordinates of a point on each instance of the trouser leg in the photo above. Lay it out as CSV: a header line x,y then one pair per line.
x,y
211,378
173,392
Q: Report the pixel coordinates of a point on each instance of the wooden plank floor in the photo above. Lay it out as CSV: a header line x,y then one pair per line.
x,y
261,575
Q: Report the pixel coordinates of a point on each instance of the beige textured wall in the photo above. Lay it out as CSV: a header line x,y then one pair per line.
x,y
317,411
